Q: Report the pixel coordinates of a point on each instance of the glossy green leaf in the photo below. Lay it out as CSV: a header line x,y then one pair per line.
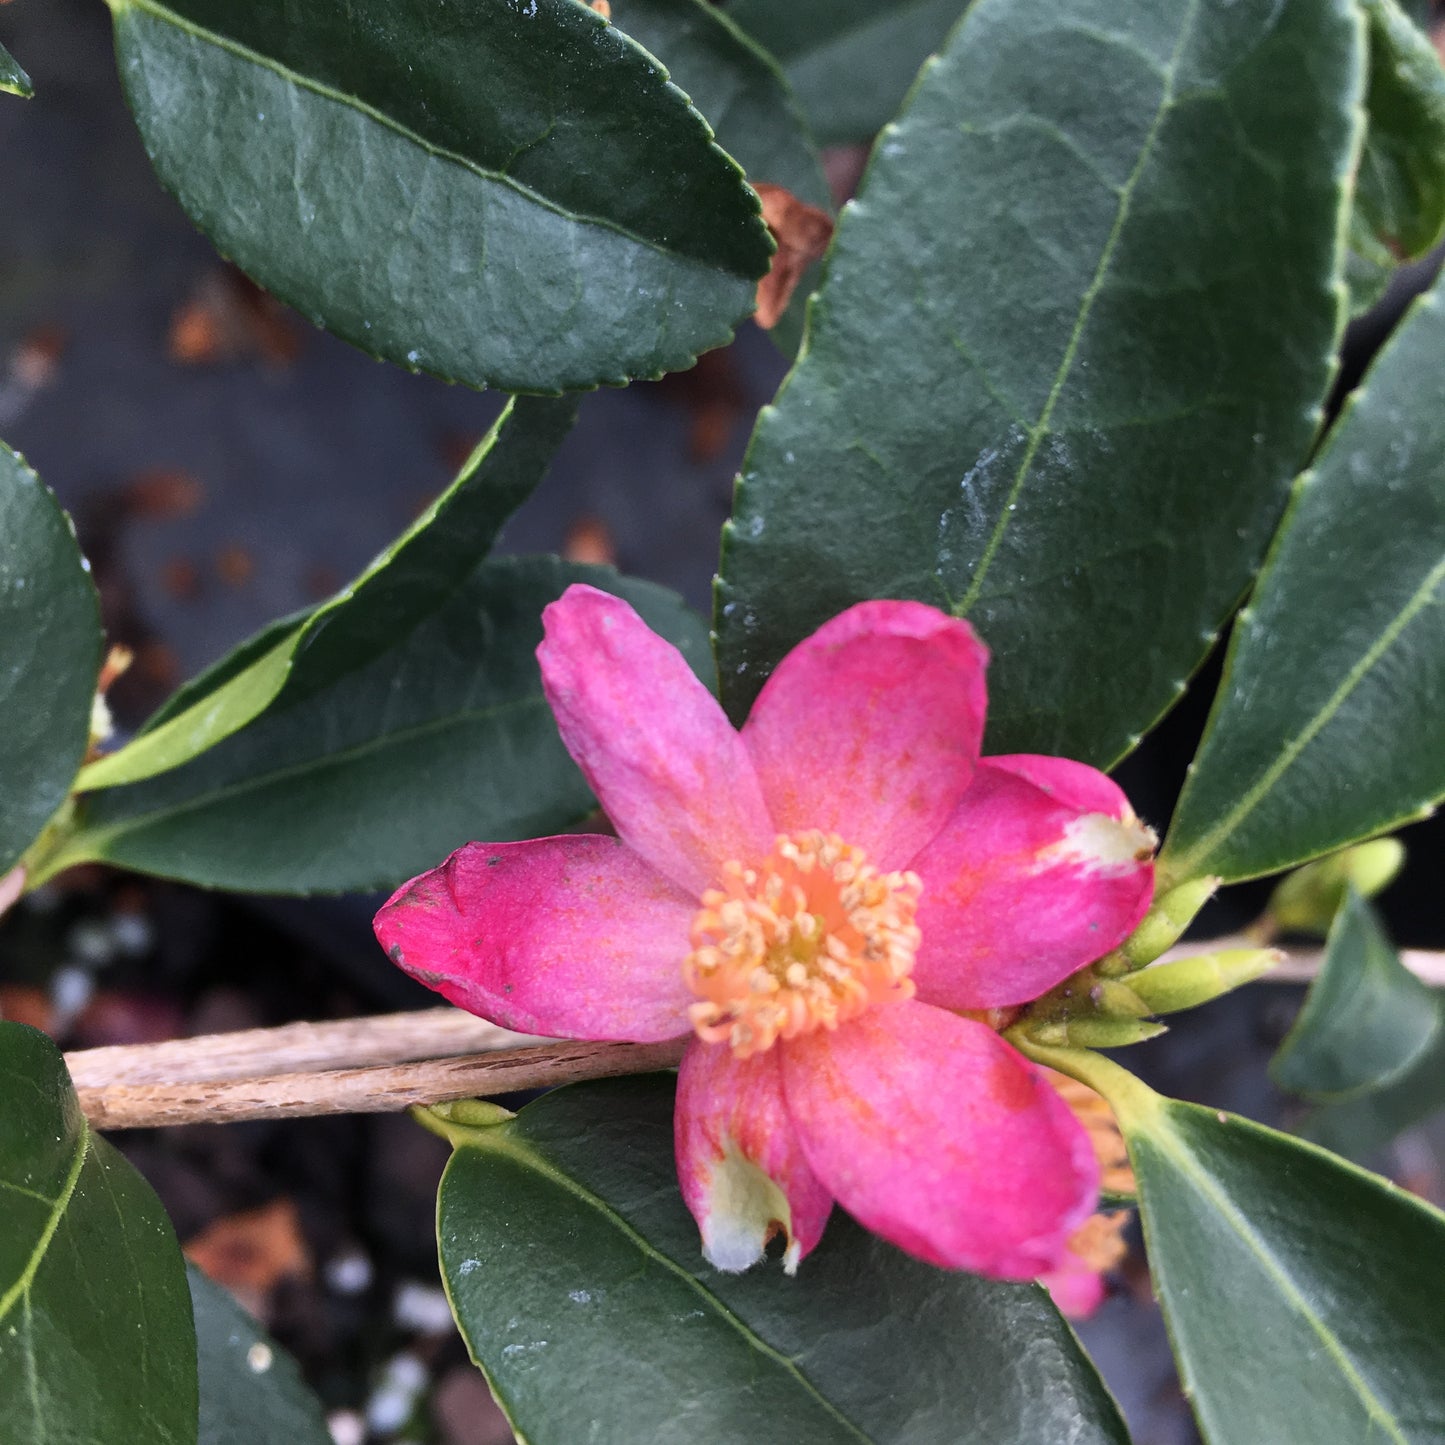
x,y
849,61
1327,724
293,659
578,1281
740,90
252,1392
1360,1127
735,85
508,194
1302,1295
1068,354
441,738
12,78
1399,209
50,643
1366,1019
96,1341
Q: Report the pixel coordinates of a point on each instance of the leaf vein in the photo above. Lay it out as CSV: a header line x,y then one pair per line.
x,y
1290,753
284,72
526,1156
21,1288
1188,1163
1096,285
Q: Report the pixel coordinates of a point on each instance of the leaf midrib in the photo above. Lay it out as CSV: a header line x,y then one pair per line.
x,y
1168,1142
525,1155
21,1288
244,52
1040,430
99,837
1181,868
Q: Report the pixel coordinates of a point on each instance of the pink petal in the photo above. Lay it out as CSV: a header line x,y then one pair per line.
x,y
741,1168
664,761
936,1134
574,937
1077,1290
1042,869
870,728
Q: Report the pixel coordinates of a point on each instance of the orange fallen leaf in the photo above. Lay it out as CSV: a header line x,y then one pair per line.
x,y
181,578
588,540
22,1004
235,564
802,233
250,1254
159,492
227,317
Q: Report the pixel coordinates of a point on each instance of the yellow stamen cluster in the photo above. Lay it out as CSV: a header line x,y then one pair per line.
x,y
808,939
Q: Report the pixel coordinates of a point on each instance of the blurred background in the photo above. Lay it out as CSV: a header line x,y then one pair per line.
x,y
226,463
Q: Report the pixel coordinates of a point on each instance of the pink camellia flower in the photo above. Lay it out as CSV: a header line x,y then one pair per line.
x,y
830,902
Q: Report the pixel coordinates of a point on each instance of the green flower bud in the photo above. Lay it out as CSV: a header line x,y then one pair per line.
x,y
1107,1033
1187,982
1308,899
1164,924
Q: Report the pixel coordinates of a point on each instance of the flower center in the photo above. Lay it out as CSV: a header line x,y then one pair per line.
x,y
808,939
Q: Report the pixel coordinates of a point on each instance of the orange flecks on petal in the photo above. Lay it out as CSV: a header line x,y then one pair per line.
x,y
803,233
1094,1113
807,940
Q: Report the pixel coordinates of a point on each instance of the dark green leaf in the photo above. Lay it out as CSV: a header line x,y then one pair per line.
x,y
579,1284
849,61
1400,192
1366,1019
508,194
12,78
96,1341
50,644
1302,1294
252,1392
293,659
1069,352
736,86
442,738
1327,724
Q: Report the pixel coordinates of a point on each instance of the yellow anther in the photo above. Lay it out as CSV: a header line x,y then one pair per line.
x,y
810,939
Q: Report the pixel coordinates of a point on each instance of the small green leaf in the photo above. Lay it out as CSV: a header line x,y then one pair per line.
x,y
579,1284
1366,1019
508,194
1302,1295
96,1340
442,738
1399,210
849,61
736,86
1360,1127
1326,729
252,1392
418,574
13,79
50,643
1026,341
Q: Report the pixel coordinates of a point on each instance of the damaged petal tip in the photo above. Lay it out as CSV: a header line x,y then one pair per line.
x,y
745,1209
